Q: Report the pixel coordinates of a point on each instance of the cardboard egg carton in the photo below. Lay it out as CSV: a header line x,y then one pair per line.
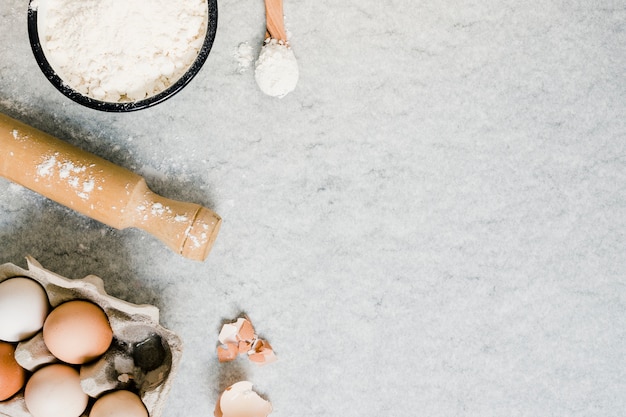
x,y
143,357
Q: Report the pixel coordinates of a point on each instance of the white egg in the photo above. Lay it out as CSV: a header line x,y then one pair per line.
x,y
23,308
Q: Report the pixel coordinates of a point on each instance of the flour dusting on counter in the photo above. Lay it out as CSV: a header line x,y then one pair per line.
x,y
245,57
276,70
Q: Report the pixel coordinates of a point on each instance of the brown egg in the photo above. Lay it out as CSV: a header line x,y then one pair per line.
x,y
77,332
119,404
12,375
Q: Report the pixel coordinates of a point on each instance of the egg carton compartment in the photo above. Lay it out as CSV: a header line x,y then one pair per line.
x,y
143,357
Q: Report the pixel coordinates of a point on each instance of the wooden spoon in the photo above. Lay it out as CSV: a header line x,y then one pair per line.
x,y
275,20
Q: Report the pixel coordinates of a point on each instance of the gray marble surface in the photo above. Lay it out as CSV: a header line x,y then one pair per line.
x,y
432,224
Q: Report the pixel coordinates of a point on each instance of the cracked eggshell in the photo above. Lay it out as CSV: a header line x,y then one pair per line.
x,y
240,400
229,332
261,352
227,352
240,337
144,355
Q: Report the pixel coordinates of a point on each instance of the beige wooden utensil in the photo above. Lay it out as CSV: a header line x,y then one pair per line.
x,y
102,190
275,20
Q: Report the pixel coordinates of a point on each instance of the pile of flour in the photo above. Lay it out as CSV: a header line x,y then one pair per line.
x,y
276,71
121,50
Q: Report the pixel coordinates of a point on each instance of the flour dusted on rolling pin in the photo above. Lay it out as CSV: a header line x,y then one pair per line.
x,y
121,50
68,172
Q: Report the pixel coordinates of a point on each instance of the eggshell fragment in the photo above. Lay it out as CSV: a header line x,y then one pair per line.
x,y
229,332
244,346
77,332
246,331
54,391
261,353
12,375
239,400
119,404
227,352
23,308
240,338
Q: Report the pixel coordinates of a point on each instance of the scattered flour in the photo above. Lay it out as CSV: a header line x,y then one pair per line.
x,y
276,70
89,185
245,57
68,168
73,175
120,50
45,168
158,209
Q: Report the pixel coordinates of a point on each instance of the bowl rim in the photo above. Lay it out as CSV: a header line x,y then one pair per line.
x,y
121,107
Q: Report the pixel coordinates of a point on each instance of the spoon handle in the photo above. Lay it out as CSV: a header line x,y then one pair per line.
x,y
275,19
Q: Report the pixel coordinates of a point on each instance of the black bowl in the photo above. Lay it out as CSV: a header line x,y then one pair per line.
x,y
60,85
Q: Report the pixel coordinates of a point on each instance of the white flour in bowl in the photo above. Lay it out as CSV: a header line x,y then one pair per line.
x,y
121,50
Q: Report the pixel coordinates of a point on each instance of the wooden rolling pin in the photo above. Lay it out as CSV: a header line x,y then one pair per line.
x,y
102,190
